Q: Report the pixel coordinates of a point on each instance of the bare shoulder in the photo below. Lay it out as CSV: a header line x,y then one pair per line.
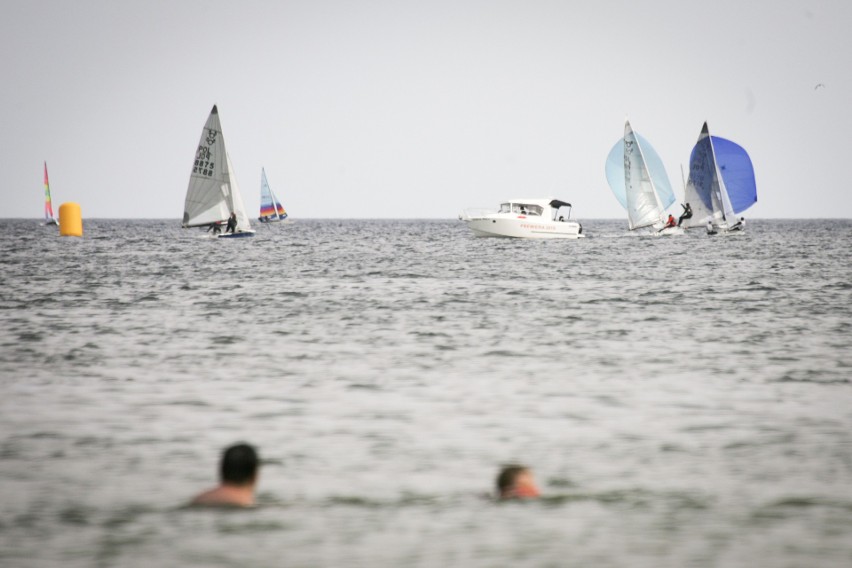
x,y
224,496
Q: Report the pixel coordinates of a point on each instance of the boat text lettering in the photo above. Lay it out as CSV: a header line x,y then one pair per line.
x,y
537,227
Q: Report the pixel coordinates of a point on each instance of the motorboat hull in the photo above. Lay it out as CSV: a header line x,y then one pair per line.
x,y
498,226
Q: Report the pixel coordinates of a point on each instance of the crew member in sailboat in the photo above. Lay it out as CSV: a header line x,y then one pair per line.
x,y
670,222
232,223
687,213
739,225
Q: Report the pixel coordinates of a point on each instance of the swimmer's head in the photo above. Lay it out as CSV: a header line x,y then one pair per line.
x,y
516,482
239,464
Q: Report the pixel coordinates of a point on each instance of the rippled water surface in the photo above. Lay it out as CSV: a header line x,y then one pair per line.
x,y
683,401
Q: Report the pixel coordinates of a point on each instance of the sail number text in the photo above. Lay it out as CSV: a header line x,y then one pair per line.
x,y
203,166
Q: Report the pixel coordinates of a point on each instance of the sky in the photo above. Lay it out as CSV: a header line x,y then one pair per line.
x,y
417,109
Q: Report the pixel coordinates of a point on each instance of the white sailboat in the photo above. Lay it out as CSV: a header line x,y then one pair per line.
x,y
720,185
271,210
639,181
213,195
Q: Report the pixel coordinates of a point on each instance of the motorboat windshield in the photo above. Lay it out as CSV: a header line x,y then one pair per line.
x,y
527,209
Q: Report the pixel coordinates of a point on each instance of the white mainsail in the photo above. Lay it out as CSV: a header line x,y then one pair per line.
x,y
213,193
237,206
643,206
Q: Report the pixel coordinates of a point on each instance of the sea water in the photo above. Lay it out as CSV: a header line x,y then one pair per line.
x,y
683,401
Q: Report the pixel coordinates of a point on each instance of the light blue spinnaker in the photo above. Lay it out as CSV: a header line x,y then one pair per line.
x,y
615,172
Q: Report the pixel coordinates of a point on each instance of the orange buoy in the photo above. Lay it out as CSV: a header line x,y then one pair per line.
x,y
70,220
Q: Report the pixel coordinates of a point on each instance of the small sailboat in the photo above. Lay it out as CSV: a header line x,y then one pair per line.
x,y
720,185
213,198
271,210
49,218
639,181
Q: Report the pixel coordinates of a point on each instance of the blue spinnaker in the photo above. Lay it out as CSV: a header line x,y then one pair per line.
x,y
733,164
737,173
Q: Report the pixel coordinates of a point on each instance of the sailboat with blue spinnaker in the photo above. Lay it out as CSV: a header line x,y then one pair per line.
x,y
721,184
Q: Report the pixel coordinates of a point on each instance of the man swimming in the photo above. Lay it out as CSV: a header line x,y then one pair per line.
x,y
238,477
516,482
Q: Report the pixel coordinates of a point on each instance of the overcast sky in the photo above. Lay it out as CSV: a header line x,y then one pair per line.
x,y
394,108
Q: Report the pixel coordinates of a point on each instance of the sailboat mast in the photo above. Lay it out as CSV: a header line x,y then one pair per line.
x,y
265,195
277,215
721,191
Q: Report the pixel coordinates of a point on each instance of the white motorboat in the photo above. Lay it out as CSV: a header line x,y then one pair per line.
x,y
547,218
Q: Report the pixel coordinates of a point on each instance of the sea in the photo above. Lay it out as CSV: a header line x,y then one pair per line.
x,y
682,401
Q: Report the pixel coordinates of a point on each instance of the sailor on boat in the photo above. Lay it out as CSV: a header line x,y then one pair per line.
x,y
670,222
711,230
739,225
232,223
687,213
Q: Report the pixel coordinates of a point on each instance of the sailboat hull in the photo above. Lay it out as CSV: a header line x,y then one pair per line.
x,y
724,230
657,231
670,231
271,219
237,235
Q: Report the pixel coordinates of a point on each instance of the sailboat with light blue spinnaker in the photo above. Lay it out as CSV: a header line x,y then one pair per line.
x,y
639,182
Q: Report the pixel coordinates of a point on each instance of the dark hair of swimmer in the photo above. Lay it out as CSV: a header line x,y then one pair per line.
x,y
239,464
